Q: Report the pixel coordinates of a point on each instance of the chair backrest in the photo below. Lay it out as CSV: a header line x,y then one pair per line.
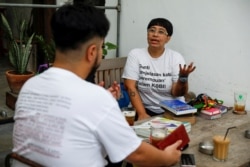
x,y
15,156
110,70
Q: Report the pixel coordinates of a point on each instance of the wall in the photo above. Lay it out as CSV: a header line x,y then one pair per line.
x,y
213,34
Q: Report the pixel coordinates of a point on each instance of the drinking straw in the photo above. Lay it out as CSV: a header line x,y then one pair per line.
x,y
228,131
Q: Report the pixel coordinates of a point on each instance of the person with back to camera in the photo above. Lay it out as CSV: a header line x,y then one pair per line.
x,y
62,120
155,73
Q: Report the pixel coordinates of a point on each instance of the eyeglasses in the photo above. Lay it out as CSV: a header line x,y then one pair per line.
x,y
152,31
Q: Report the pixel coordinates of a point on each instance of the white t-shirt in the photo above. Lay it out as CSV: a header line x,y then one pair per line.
x,y
154,76
62,120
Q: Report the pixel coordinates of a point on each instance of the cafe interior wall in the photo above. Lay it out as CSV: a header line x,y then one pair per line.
x,y
213,34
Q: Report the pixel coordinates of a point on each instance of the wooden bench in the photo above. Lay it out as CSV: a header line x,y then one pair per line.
x,y
110,70
14,156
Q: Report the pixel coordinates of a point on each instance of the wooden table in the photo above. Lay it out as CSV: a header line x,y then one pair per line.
x,y
239,149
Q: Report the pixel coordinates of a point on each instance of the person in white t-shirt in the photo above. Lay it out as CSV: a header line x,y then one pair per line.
x,y
62,120
155,73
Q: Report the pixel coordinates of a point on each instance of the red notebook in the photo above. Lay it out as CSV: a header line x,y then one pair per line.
x,y
211,111
179,133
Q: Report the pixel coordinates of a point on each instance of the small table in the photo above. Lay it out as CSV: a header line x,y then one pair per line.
x,y
204,129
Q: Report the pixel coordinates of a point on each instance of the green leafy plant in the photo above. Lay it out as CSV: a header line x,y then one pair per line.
x,y
19,48
108,46
47,47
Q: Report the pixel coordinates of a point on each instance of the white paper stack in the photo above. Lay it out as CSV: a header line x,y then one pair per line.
x,y
143,129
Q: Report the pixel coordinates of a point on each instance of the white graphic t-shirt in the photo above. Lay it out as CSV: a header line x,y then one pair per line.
x,y
154,76
62,120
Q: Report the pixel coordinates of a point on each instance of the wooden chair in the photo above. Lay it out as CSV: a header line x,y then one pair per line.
x,y
110,70
15,156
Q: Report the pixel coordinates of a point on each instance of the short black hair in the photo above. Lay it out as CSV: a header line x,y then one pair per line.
x,y
162,22
73,25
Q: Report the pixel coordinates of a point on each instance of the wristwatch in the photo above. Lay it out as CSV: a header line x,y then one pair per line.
x,y
183,79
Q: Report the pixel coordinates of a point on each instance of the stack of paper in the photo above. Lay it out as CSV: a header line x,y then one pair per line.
x,y
144,128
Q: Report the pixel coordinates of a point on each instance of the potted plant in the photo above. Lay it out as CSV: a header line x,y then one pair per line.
x,y
47,47
108,46
19,51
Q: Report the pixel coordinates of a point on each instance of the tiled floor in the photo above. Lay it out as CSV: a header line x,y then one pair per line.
x,y
5,129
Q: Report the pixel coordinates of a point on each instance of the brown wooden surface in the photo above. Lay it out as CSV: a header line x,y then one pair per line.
x,y
184,118
21,159
204,130
110,70
11,100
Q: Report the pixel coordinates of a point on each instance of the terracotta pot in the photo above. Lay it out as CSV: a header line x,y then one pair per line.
x,y
16,81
